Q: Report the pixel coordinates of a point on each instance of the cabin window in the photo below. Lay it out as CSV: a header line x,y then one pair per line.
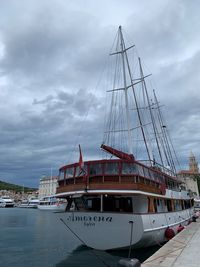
x,y
151,175
140,204
92,203
169,205
155,204
140,170
111,168
182,205
146,173
161,205
117,204
79,204
70,172
96,169
81,171
129,168
61,175
177,205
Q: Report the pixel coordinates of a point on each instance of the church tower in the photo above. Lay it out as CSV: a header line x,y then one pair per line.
x,y
193,164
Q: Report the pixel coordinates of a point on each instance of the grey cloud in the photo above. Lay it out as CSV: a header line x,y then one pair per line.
x,y
54,49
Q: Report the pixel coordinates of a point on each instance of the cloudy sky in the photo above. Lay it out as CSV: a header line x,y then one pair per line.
x,y
52,54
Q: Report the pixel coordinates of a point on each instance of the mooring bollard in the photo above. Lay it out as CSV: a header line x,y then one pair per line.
x,y
129,263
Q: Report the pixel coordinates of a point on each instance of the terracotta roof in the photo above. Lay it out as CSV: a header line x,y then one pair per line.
x,y
187,172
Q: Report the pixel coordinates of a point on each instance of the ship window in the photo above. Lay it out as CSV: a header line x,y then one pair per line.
x,y
81,171
70,172
79,204
177,204
117,204
161,205
146,173
151,175
61,175
111,168
140,170
92,203
129,168
155,205
96,169
169,205
140,204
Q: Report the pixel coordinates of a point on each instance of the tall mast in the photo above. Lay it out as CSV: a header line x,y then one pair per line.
x,y
136,103
151,113
123,51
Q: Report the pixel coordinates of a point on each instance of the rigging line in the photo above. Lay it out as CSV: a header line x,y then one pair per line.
x,y
151,113
99,258
165,135
165,149
173,150
137,107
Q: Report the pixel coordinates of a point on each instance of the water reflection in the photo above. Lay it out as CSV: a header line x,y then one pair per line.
x,y
34,238
86,257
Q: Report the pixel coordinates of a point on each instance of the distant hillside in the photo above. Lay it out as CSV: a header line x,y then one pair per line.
x,y
16,188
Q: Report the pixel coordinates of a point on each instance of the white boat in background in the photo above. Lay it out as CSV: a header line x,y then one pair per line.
x,y
52,203
2,203
29,203
135,199
6,202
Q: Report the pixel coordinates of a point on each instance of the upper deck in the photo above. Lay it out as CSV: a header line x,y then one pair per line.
x,y
115,174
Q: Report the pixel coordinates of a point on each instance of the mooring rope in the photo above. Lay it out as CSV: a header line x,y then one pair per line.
x,y
99,258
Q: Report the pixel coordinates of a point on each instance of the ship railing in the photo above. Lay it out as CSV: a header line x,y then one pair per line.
x,y
159,167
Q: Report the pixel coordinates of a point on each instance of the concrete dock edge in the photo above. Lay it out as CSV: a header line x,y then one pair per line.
x,y
181,251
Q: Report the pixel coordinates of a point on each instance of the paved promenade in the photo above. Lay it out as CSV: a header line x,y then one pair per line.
x,y
181,251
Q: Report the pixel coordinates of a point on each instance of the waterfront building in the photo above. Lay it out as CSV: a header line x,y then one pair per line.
x,y
189,177
47,186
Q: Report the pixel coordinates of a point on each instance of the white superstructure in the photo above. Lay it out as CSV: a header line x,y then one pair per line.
x,y
52,203
29,203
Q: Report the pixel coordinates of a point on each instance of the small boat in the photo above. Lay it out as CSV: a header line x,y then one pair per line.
x,y
132,197
52,203
7,202
29,203
2,203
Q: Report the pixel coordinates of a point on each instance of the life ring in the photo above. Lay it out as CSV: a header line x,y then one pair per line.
x,y
169,233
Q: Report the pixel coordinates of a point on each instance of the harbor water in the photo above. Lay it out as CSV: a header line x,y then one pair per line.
x,y
30,237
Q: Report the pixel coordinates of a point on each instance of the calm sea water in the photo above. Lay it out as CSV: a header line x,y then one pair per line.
x,y
30,237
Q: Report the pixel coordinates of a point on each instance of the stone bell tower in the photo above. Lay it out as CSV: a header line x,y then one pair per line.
x,y
193,164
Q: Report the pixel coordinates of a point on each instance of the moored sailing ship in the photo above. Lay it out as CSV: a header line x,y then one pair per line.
x,y
124,201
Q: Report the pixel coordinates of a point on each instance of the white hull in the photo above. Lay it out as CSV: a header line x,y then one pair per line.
x,y
6,202
107,231
54,207
28,206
